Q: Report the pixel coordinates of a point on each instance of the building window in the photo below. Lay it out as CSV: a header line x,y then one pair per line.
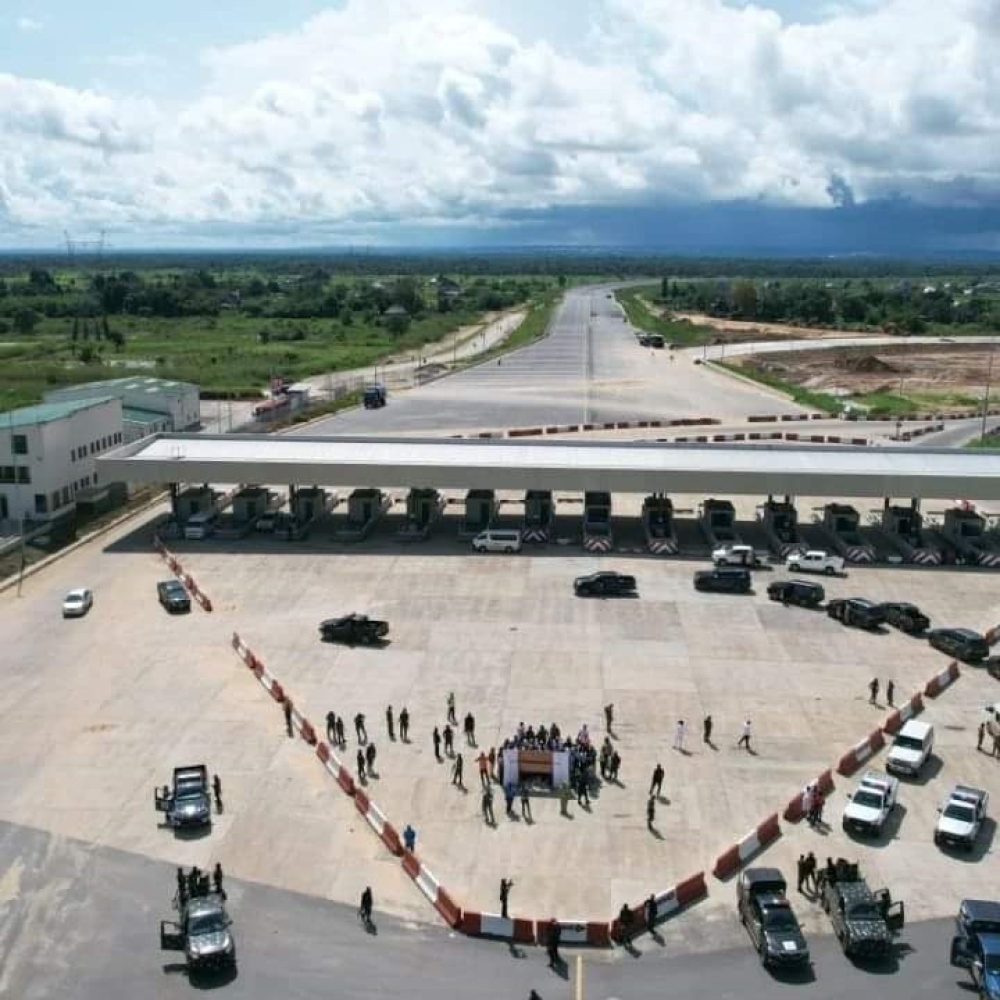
x,y
23,474
72,454
55,499
41,505
19,442
6,473
65,495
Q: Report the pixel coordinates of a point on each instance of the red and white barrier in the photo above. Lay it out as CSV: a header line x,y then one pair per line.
x,y
335,766
860,752
178,570
732,859
432,889
494,926
940,681
795,809
668,902
595,933
377,821
894,721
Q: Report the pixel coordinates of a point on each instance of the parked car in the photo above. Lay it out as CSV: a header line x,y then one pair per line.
x,y
77,603
736,555
606,583
173,596
804,593
498,540
910,749
871,803
961,817
766,913
863,921
203,933
724,579
815,561
353,629
906,617
980,954
962,643
856,611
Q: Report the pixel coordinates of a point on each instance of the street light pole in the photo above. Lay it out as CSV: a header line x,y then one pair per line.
x,y
986,397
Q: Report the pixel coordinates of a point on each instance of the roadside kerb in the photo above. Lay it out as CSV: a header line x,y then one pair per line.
x,y
668,902
794,811
860,752
939,682
431,888
894,721
492,925
733,858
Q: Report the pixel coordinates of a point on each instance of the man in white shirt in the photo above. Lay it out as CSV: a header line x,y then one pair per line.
x,y
679,733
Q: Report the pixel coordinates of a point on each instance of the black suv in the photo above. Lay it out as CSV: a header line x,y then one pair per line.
x,y
353,629
856,611
173,596
907,618
724,579
804,593
962,643
604,584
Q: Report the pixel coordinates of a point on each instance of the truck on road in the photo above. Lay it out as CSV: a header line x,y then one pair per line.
x,y
736,555
863,921
202,932
871,803
374,397
189,802
976,945
961,817
769,918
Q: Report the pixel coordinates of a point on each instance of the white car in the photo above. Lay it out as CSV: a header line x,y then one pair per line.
x,y
961,817
77,603
815,561
735,555
910,749
869,805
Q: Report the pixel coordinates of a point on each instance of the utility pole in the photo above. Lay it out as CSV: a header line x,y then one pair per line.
x,y
986,397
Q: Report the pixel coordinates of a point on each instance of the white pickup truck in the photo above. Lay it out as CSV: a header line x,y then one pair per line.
x,y
869,805
961,817
735,555
815,561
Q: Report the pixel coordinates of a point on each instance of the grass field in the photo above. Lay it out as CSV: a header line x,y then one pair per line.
x,y
804,397
678,332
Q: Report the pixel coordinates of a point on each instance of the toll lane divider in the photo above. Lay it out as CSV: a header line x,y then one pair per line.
x,y
943,680
860,752
795,809
668,902
178,570
733,858
894,720
432,889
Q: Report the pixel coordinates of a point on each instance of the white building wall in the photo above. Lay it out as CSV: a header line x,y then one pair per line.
x,y
60,460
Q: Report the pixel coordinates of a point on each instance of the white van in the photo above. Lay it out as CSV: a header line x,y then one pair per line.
x,y
200,525
911,748
498,540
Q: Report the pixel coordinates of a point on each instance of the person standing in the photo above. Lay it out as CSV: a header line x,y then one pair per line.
x,y
808,803
492,758
890,693
505,887
389,724
409,838
331,727
469,728
508,796
706,730
680,732
361,764
483,761
449,740
456,771
525,801
656,785
359,728
651,914
487,805
217,792
873,691
341,740
811,871
609,716
404,725
564,797
650,812
981,735
365,909
217,880
552,937
744,740
616,763
370,759
800,871
582,794
286,706
436,737
452,718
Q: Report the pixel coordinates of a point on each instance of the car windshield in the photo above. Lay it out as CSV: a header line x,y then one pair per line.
x,y
961,811
864,911
866,797
908,743
779,920
206,923
75,597
189,794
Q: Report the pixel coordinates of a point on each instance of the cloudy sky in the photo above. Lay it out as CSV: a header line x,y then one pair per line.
x,y
653,122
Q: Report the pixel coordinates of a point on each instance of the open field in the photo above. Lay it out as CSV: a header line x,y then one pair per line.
x,y
899,379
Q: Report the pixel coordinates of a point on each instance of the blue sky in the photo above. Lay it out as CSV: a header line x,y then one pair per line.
x,y
301,122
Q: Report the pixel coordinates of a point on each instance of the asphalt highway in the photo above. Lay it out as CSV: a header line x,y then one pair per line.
x,y
80,922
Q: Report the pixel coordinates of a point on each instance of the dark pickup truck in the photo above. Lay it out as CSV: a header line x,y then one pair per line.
x,y
353,629
188,803
203,933
976,945
864,921
769,918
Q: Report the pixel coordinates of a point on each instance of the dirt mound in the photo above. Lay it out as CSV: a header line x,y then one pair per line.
x,y
864,364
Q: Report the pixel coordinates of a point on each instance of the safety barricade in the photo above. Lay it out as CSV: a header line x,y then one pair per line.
x,y
731,860
894,721
795,809
596,933
945,679
668,902
431,888
492,925
377,821
858,754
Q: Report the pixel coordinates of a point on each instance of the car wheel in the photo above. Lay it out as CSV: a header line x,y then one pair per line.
x,y
509,549
829,571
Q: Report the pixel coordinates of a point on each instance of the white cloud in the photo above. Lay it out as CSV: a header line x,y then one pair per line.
x,y
29,24
373,113
135,60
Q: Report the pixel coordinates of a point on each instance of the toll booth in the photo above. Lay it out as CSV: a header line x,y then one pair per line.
x,y
423,508
251,502
966,530
364,508
780,521
718,522
308,502
841,523
658,525
905,527
597,522
539,515
480,509
193,500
